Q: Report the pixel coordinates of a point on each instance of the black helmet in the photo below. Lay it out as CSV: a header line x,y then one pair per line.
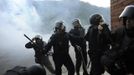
x,y
128,12
36,70
59,26
37,37
95,19
76,23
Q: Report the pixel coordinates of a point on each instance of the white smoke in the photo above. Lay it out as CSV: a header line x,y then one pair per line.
x,y
31,17
16,18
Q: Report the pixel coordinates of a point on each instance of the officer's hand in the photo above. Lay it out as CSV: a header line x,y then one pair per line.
x,y
78,47
32,43
50,53
100,27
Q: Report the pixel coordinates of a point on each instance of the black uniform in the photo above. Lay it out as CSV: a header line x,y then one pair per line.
x,y
60,43
40,57
77,39
38,51
119,60
98,42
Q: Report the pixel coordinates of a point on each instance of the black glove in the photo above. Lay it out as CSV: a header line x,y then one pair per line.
x,y
78,47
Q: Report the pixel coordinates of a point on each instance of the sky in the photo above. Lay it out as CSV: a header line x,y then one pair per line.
x,y
100,3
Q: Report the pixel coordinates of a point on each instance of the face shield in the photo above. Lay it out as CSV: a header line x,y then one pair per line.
x,y
59,28
76,23
37,39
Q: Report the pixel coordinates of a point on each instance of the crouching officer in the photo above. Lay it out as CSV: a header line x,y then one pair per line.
x,y
119,60
38,45
60,43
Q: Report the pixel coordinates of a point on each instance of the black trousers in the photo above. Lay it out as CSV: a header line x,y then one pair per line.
x,y
79,59
63,59
96,67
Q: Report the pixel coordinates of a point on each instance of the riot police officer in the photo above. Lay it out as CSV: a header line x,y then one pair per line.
x,y
98,37
38,45
77,35
60,43
120,59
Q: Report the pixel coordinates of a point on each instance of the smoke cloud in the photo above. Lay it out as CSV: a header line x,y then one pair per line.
x,y
32,17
